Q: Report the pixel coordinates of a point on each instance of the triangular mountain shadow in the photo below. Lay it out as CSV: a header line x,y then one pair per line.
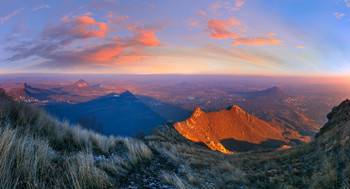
x,y
121,114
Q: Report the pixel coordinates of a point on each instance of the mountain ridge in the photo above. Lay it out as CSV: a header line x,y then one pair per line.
x,y
232,123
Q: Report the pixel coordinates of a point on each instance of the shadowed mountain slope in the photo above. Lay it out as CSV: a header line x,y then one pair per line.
x,y
120,114
167,111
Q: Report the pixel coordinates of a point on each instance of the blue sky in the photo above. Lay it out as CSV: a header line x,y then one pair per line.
x,y
255,37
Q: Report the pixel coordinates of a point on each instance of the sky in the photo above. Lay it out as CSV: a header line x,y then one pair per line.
x,y
245,37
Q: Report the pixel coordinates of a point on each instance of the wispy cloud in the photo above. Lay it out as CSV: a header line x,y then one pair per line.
x,y
5,18
40,7
259,41
218,6
199,19
339,15
301,47
222,29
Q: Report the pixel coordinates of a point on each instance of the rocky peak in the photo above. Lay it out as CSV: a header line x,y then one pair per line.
x,y
197,112
25,86
81,83
341,110
234,107
127,94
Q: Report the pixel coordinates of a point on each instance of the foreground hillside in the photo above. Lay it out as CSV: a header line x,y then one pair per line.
x,y
37,151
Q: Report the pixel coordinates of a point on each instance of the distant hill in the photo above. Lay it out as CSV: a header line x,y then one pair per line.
x,y
274,93
270,105
230,130
26,91
82,88
120,114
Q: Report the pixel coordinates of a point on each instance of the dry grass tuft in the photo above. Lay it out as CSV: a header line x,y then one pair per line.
x,y
84,174
173,179
137,150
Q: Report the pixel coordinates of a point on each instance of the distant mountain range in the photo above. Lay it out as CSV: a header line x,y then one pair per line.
x,y
128,114
80,91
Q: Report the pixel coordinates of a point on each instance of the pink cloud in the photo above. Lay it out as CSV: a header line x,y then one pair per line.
x,y
220,29
5,18
40,7
55,42
300,47
271,34
239,3
101,54
142,38
87,14
78,27
146,38
259,41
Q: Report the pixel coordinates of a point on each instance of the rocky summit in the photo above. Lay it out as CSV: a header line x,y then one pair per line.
x,y
81,83
221,130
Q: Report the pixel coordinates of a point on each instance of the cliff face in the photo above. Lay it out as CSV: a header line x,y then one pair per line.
x,y
338,116
231,124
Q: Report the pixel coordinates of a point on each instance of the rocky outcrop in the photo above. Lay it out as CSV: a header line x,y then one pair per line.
x,y
338,116
232,124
